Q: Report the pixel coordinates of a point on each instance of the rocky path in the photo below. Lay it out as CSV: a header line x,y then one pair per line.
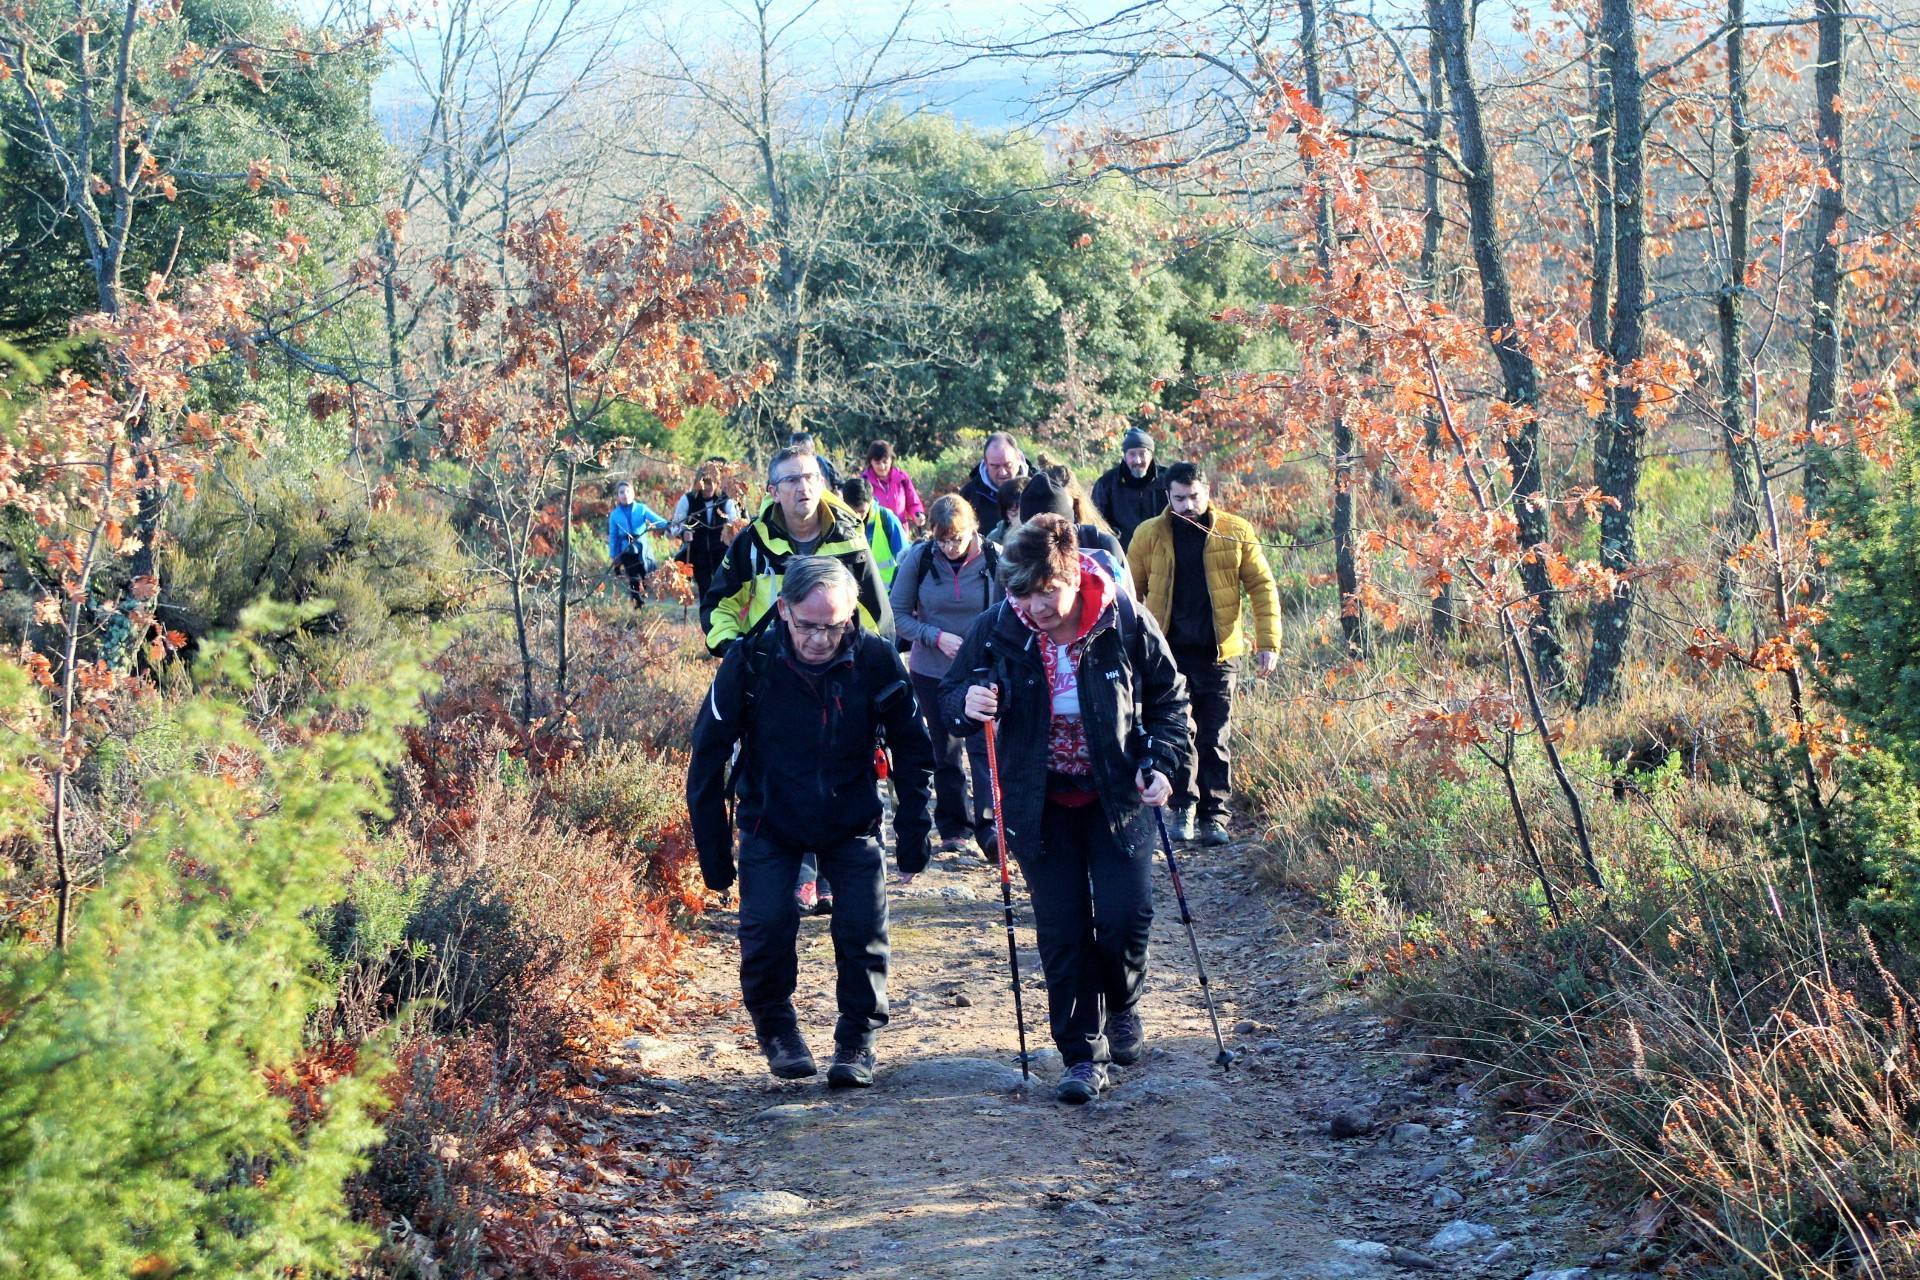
x,y
1330,1150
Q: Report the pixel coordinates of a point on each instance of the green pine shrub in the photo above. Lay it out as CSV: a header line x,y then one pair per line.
x,y
260,530
159,1111
1869,646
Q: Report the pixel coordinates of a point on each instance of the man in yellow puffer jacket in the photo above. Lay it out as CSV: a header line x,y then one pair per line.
x,y
1191,564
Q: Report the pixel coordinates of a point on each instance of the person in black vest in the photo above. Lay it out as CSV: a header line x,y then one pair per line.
x,y
701,519
1132,491
1092,725
810,701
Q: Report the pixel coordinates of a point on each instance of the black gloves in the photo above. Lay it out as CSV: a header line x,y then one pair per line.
x,y
717,870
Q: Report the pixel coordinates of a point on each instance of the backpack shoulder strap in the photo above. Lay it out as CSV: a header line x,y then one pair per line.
x,y
758,658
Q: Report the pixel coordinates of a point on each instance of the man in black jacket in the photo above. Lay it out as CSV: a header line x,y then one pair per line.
x,y
810,702
1000,461
1134,490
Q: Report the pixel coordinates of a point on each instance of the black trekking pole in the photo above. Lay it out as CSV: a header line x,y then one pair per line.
x,y
1006,895
1223,1059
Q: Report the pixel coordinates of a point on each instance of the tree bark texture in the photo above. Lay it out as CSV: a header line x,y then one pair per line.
x,y
1346,568
1432,225
1520,381
1743,518
1626,429
1823,346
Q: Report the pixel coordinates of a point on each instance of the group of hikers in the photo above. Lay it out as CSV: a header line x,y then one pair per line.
x,y
1091,639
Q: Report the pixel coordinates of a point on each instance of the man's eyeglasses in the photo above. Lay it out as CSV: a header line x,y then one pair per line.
x,y
820,630
798,478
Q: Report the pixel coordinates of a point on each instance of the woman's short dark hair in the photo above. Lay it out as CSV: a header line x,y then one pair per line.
x,y
1043,552
1008,496
880,451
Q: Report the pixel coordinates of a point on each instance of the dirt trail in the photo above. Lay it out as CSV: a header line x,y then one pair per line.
x,y
941,1170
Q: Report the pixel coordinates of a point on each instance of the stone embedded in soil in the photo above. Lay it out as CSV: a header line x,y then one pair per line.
x,y
1500,1253
1046,1058
1445,1198
1159,1090
961,1000
1564,1273
953,1076
1411,1260
1434,1168
1371,1249
1459,1235
764,1204
1402,1134
1083,1212
1349,1122
787,1113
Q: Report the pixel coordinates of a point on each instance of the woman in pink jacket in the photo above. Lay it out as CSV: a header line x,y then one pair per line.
x,y
892,487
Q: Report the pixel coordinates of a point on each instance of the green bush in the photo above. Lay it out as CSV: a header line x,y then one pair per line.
x,y
155,1116
260,532
1870,642
1872,631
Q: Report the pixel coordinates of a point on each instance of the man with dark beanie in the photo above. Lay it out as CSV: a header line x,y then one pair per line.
x,y
1191,565
1134,489
1043,497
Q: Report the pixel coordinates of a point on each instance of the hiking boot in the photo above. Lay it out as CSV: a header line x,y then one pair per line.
x,y
1213,833
787,1054
1126,1038
989,845
954,844
808,895
1180,826
1082,1083
823,904
852,1068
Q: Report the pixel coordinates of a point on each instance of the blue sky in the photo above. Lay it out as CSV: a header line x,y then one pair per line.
x,y
989,94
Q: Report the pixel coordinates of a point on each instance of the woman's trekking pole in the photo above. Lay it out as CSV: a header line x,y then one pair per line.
x,y
1006,894
1223,1059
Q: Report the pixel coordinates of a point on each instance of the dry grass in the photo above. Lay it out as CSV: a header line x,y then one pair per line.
x,y
1750,1074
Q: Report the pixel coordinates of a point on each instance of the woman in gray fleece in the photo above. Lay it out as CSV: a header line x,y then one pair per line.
x,y
939,588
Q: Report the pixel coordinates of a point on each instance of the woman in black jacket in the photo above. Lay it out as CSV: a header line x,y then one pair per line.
x,y
1092,721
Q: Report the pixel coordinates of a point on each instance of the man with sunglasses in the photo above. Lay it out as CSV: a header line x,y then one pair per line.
x,y
810,701
801,518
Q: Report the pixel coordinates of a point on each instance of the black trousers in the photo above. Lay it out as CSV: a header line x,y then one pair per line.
x,y
634,566
770,924
704,561
1209,772
1093,914
959,808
